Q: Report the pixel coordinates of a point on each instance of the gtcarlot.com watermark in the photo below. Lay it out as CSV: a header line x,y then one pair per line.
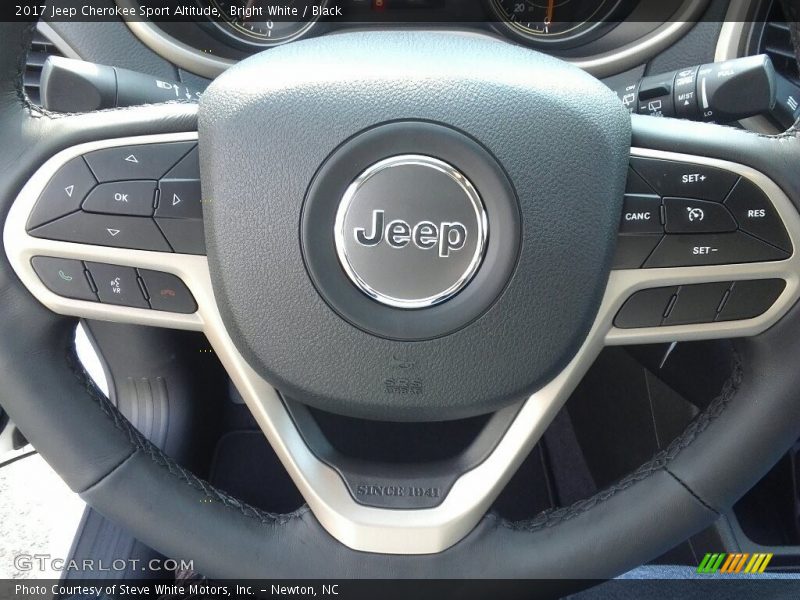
x,y
49,563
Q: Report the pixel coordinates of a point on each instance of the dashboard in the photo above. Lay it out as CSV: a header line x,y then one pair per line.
x,y
604,36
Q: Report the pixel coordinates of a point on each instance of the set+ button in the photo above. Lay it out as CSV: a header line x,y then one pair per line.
x,y
685,180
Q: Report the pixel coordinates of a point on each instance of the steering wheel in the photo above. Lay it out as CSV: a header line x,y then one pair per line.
x,y
399,226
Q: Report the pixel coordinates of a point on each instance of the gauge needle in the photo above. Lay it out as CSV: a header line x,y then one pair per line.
x,y
550,8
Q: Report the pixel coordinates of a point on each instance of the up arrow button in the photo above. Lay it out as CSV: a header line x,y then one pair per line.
x,y
143,162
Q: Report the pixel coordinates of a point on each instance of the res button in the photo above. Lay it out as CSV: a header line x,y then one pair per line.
x,y
756,215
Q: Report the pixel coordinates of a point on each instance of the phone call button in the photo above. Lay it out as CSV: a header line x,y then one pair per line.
x,y
64,277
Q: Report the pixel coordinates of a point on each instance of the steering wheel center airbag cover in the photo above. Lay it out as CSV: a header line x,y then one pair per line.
x,y
393,256
555,143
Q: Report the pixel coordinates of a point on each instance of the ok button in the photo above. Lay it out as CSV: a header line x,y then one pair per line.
x,y
133,198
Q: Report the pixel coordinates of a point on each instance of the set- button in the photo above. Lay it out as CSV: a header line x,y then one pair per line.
x,y
143,197
683,214
114,284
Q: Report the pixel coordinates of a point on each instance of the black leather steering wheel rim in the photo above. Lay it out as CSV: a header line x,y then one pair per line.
x,y
98,453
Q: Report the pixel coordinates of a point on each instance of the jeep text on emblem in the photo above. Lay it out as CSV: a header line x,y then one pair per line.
x,y
410,231
425,235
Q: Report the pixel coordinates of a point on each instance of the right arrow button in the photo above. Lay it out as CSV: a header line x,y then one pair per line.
x,y
180,199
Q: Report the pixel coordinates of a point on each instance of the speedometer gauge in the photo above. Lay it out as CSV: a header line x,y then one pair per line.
x,y
266,22
553,20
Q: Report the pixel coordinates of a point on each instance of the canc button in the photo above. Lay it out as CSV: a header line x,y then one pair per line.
x,y
641,213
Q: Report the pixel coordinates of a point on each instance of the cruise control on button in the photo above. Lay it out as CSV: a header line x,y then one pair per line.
x,y
684,215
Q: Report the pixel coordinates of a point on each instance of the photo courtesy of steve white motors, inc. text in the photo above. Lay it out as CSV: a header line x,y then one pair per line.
x,y
177,590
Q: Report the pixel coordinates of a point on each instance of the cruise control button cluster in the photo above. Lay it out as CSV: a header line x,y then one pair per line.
x,y
683,214
114,284
143,197
699,303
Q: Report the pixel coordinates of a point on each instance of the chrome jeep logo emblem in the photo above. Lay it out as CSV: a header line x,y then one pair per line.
x,y
410,231
425,235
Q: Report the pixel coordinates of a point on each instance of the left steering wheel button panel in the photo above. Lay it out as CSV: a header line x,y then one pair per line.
x,y
63,194
146,161
117,285
64,277
105,230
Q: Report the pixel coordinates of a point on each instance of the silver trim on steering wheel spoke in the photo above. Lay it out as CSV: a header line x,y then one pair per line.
x,y
361,527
